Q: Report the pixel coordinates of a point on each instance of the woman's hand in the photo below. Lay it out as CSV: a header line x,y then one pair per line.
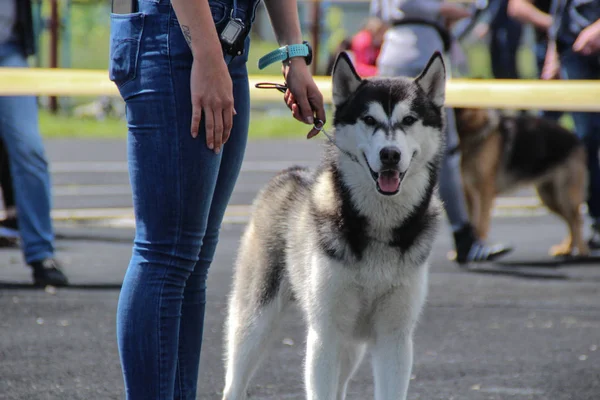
x,y
212,95
551,68
303,97
588,41
210,83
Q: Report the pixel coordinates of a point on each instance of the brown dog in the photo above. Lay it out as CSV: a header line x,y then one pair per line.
x,y
501,153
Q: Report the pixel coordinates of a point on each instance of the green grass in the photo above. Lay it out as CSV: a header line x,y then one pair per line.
x,y
64,126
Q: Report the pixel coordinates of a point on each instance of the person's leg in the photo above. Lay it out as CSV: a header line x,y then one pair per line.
x,y
180,189
450,185
9,230
194,300
467,246
31,179
505,38
587,127
8,226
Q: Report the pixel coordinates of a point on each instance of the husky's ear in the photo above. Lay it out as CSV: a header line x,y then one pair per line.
x,y
433,79
344,77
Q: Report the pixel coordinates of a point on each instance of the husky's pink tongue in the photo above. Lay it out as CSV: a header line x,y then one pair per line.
x,y
388,181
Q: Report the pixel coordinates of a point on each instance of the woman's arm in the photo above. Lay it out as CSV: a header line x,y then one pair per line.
x,y
303,96
524,11
210,83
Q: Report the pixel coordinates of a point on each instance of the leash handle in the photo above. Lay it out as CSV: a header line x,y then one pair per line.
x,y
268,85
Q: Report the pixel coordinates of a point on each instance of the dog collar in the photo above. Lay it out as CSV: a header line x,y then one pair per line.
x,y
284,53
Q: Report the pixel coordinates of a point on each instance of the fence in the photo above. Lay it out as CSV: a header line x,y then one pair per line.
x,y
511,94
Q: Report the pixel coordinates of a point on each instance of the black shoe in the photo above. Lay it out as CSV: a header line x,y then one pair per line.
x,y
48,272
594,240
471,249
9,228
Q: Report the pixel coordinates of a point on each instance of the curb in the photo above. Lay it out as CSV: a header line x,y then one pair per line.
x,y
239,214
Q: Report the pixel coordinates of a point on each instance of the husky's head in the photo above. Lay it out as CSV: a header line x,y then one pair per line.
x,y
392,126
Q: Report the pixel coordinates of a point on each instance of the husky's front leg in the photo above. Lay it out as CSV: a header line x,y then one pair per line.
x,y
392,366
322,370
394,326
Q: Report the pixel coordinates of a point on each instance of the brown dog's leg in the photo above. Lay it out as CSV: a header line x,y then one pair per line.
x,y
564,195
550,196
576,195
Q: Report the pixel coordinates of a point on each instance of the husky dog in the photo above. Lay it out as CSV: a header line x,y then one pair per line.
x,y
348,242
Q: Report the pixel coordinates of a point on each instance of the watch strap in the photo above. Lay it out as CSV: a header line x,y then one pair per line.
x,y
283,53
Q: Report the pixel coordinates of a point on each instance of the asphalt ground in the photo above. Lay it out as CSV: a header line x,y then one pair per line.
x,y
90,179
524,328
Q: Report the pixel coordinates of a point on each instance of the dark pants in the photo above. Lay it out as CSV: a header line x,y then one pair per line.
x,y
587,124
8,195
505,37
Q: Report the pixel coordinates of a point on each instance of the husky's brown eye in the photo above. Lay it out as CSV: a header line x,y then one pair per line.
x,y
409,120
369,120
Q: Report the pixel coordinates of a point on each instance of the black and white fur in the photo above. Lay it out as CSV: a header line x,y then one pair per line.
x,y
354,258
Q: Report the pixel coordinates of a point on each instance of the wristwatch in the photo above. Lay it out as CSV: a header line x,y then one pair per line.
x,y
286,52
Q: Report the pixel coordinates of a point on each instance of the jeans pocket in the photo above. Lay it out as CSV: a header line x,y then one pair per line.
x,y
125,37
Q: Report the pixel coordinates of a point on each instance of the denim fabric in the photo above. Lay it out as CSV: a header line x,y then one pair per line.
x,y
19,130
505,37
570,17
180,193
587,124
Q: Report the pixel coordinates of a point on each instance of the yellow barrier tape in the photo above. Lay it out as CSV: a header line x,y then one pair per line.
x,y
509,94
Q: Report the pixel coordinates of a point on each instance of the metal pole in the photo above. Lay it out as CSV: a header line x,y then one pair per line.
x,y
53,46
65,46
38,27
315,33
66,38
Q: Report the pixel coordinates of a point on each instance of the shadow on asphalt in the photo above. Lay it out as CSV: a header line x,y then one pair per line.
x,y
75,286
94,238
517,272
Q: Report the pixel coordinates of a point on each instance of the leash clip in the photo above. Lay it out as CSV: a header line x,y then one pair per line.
x,y
319,125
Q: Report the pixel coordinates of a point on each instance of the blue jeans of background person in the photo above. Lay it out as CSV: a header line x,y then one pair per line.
x,y
180,193
20,132
587,124
540,56
505,38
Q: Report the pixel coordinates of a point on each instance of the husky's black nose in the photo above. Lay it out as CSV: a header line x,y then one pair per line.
x,y
390,155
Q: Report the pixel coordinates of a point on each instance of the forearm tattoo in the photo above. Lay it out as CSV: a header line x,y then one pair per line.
x,y
188,35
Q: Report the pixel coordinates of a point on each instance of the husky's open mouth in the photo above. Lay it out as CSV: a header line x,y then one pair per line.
x,y
387,181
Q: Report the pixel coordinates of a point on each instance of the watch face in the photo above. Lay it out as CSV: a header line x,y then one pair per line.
x,y
309,57
231,31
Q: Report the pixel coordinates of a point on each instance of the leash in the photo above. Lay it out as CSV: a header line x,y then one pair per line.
x,y
318,125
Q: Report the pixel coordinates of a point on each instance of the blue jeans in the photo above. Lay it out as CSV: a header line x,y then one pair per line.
x,y
28,165
180,193
587,124
505,38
